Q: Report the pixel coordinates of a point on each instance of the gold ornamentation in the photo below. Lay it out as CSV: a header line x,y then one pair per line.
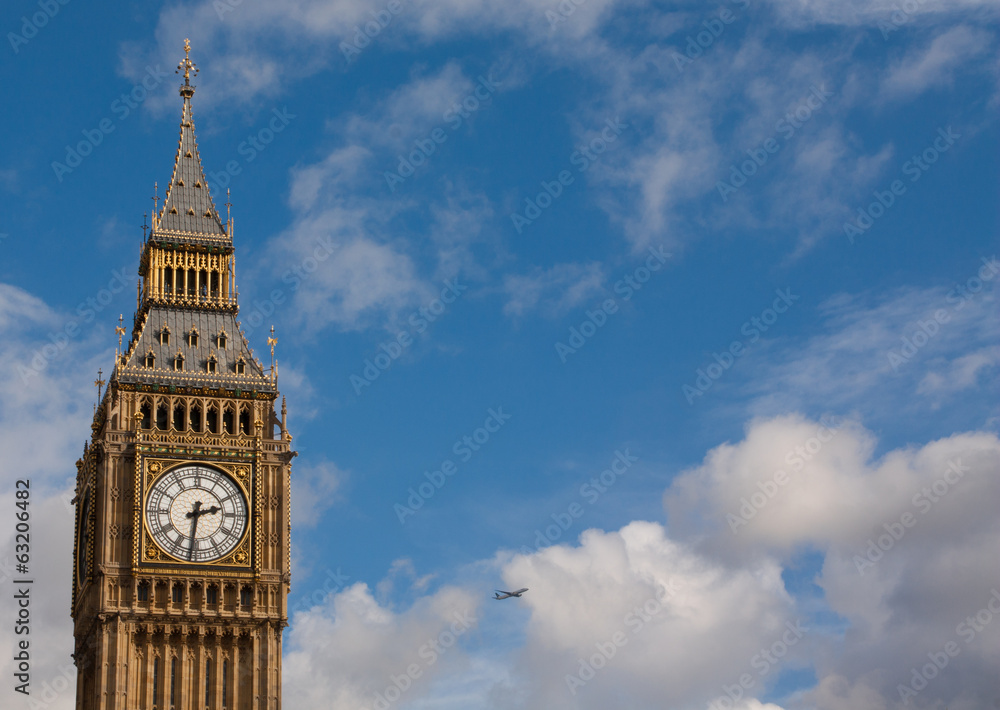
x,y
242,471
240,557
152,553
154,467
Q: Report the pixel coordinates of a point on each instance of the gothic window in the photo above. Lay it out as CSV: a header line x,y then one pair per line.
x,y
142,592
190,277
168,279
179,417
212,595
156,680
150,360
196,418
179,361
246,596
161,417
222,340
245,422
212,364
227,420
173,680
165,336
208,680
177,594
241,366
146,415
193,338
212,420
215,284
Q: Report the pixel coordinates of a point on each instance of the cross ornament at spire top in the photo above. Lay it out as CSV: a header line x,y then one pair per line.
x,y
186,64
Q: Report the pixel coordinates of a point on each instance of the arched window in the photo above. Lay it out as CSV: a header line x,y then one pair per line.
x,y
193,338
245,422
165,336
196,418
222,340
241,366
179,417
161,417
227,420
146,412
212,364
173,680
208,681
150,360
212,420
179,361
156,680
168,280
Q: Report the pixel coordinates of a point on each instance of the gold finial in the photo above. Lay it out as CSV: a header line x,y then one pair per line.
x,y
99,383
272,341
120,330
186,64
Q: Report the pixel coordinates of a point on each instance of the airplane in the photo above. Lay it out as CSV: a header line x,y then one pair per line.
x,y
508,595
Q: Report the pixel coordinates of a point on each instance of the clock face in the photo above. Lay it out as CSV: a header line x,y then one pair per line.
x,y
196,513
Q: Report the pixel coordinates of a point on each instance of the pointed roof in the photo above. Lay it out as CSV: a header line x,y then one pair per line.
x,y
188,207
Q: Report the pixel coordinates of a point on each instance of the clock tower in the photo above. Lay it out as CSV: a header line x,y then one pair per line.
x,y
181,562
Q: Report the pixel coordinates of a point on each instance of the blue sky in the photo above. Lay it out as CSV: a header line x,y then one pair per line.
x,y
690,237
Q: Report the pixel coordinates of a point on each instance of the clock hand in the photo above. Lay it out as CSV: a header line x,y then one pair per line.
x,y
194,526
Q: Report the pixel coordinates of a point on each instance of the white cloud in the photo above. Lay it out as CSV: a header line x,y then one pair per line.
x,y
344,652
902,601
936,64
317,486
555,291
683,624
877,352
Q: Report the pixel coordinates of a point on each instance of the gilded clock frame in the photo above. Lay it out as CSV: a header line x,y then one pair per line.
x,y
147,553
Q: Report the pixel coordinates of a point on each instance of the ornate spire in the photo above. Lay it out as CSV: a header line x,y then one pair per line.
x,y
187,65
187,207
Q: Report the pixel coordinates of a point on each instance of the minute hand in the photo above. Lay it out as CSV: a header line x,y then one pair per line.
x,y
194,526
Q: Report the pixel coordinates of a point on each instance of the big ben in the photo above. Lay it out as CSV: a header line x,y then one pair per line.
x,y
181,559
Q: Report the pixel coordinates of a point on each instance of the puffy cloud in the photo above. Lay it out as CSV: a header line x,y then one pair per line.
x,y
657,623
907,540
350,650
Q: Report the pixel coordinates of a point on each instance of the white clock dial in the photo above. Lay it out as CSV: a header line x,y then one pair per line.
x,y
196,513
